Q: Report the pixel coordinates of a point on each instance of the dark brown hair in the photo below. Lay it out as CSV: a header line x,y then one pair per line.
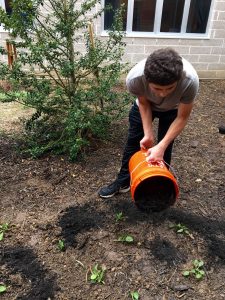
x,y
163,67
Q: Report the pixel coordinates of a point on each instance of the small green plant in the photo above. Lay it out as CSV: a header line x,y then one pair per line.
x,y
61,245
134,295
125,239
3,228
181,229
197,270
97,274
3,288
119,216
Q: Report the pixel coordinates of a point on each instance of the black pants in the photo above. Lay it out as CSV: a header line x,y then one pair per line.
x,y
136,133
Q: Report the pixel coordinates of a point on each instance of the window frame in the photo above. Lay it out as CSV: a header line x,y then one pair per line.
x,y
158,15
2,5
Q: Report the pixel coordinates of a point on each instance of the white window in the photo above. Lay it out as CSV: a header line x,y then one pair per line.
x,y
162,18
5,4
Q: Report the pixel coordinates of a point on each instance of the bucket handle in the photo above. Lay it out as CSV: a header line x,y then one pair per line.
x,y
172,169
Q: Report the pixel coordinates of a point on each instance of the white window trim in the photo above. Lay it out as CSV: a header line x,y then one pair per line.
x,y
2,4
158,16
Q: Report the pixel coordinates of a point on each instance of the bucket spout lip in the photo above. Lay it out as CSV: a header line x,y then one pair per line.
x,y
158,163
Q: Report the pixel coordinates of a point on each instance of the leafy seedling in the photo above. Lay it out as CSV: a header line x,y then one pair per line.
x,y
3,228
126,239
3,288
61,245
119,217
97,274
134,295
181,229
196,271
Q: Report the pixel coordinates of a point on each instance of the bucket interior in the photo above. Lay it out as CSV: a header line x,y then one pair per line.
x,y
155,194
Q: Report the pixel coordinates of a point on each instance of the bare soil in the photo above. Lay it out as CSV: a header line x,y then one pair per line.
x,y
52,199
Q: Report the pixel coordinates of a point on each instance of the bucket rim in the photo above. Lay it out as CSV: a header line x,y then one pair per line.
x,y
134,184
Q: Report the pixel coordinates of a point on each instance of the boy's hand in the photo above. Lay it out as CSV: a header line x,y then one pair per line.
x,y
155,153
147,142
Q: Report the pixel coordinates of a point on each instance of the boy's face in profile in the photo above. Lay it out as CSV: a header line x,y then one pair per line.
x,y
162,90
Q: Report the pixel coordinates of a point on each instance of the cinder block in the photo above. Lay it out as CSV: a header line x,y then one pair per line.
x,y
209,58
211,74
191,42
150,49
217,67
218,25
200,66
200,50
220,33
221,16
218,50
167,42
220,5
181,50
138,49
220,74
222,58
191,58
144,41
137,57
205,74
213,42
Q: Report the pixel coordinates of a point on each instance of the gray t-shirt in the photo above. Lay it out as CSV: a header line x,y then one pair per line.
x,y
185,92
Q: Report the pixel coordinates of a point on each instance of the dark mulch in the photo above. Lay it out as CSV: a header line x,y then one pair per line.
x,y
51,199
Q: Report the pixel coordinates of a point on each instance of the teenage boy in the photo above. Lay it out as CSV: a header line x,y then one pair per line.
x,y
165,85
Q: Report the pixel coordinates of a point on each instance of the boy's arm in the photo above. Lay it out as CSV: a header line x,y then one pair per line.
x,y
146,116
157,152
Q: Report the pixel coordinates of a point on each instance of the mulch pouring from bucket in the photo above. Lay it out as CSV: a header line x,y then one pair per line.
x,y
153,186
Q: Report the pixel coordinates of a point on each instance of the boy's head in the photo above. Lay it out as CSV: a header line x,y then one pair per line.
x,y
163,67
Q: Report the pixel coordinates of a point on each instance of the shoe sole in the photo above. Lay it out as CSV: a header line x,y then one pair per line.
x,y
119,192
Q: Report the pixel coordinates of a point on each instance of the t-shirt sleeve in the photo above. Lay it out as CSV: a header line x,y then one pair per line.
x,y
135,86
191,92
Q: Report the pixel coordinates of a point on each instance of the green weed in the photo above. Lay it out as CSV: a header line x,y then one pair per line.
x,y
126,239
3,228
181,229
134,295
3,288
97,274
196,271
61,245
119,217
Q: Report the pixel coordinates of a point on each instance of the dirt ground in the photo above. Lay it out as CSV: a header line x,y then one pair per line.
x,y
52,199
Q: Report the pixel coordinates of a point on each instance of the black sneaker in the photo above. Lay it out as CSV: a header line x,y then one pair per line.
x,y
113,189
222,129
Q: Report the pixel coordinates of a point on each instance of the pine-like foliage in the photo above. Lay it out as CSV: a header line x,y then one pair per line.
x,y
71,91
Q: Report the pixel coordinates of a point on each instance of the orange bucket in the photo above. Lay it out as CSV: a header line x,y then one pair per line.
x,y
153,186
